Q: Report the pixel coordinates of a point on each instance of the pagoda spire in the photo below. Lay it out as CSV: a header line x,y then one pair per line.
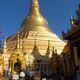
x,y
72,20
5,46
48,48
21,42
34,3
34,8
35,20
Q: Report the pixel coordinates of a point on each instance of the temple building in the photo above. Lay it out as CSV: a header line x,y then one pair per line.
x,y
32,45
73,51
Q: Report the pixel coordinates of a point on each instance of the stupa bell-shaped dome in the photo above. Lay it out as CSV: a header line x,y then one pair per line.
x,y
34,20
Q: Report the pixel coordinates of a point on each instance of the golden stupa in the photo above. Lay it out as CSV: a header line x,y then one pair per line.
x,y
36,39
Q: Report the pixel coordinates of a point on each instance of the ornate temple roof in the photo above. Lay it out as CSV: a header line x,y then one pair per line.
x,y
75,25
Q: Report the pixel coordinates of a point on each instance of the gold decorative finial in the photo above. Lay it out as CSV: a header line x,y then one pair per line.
x,y
34,8
5,45
21,42
48,48
53,52
71,19
34,3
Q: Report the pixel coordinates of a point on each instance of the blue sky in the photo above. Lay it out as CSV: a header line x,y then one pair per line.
x,y
57,13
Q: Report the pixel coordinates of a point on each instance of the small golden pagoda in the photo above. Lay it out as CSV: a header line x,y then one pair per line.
x,y
17,59
1,65
37,40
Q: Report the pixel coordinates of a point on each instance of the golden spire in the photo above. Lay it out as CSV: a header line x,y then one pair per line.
x,y
21,42
34,8
5,46
72,19
35,20
34,3
48,48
